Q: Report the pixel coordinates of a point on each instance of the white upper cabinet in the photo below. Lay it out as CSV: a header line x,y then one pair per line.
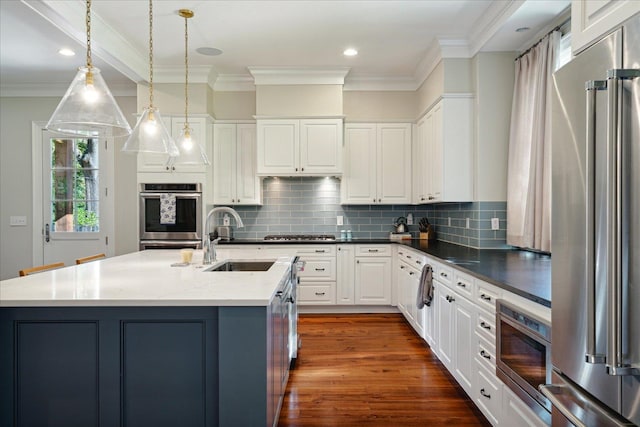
x,y
299,147
234,165
377,163
148,162
592,19
444,152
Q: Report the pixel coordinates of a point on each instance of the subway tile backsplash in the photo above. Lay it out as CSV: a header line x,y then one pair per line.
x,y
311,205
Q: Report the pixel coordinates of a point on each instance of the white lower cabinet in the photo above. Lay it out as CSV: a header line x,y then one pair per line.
x,y
444,310
487,395
346,274
408,280
373,280
516,413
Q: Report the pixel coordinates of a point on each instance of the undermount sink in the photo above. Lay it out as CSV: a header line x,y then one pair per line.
x,y
242,265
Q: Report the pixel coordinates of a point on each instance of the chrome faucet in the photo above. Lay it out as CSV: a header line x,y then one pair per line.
x,y
209,250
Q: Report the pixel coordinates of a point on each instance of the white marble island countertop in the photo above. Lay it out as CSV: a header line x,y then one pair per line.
x,y
146,279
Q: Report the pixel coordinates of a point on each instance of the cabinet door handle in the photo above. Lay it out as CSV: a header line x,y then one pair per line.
x,y
400,253
379,200
373,250
374,200
319,294
418,262
279,294
173,168
409,256
450,298
411,273
462,285
167,167
443,274
485,355
485,297
320,251
402,267
485,394
319,269
238,201
485,325
302,169
296,169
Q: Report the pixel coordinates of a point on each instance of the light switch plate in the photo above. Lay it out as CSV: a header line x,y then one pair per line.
x,y
18,221
495,224
468,222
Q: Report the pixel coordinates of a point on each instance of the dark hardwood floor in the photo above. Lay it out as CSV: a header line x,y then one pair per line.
x,y
365,369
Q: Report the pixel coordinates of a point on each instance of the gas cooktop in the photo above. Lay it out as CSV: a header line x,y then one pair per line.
x,y
299,237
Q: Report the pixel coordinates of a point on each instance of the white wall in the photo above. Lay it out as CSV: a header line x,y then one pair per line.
x,y
493,82
234,105
16,116
169,98
298,100
379,105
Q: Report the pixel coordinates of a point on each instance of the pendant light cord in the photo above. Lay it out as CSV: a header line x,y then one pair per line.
x,y
186,73
150,54
88,23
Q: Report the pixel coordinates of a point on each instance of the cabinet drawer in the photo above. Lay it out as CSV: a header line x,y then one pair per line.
x,y
324,250
464,284
444,274
373,250
488,394
486,296
485,353
318,269
486,326
314,293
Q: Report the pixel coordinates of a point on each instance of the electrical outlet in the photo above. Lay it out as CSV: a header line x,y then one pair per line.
x,y
468,222
409,218
17,221
495,224
339,220
449,221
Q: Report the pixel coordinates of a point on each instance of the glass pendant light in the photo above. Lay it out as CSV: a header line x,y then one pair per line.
x,y
150,135
88,106
191,151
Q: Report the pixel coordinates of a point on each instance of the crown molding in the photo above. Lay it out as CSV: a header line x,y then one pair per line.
x,y
233,83
298,76
429,62
453,48
379,83
491,22
197,74
33,90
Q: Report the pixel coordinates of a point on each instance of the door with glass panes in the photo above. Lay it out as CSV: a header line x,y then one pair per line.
x,y
76,203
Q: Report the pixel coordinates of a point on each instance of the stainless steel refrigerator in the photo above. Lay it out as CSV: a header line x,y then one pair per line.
x,y
596,234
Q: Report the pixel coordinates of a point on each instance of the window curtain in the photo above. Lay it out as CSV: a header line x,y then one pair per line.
x,y
529,164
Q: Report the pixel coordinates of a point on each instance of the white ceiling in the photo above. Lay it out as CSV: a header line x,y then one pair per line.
x,y
398,41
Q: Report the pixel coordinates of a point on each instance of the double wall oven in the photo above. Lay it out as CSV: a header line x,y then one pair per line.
x,y
184,230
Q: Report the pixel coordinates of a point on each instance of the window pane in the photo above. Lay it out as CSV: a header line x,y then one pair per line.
x,y
74,185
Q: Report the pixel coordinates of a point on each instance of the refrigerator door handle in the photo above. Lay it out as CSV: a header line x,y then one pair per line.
x,y
578,407
616,324
591,87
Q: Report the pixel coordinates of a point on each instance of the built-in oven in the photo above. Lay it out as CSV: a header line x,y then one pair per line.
x,y
182,226
523,355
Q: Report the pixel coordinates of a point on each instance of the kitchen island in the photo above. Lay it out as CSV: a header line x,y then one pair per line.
x,y
133,341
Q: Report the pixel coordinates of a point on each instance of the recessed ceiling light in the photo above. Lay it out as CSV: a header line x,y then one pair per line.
x,y
522,29
350,52
66,52
209,51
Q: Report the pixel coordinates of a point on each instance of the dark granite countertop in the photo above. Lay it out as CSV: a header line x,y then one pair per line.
x,y
524,273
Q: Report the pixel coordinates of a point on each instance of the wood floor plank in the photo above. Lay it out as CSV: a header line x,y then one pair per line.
x,y
373,370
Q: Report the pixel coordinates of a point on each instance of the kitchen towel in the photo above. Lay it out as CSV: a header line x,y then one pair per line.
x,y
167,209
425,287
